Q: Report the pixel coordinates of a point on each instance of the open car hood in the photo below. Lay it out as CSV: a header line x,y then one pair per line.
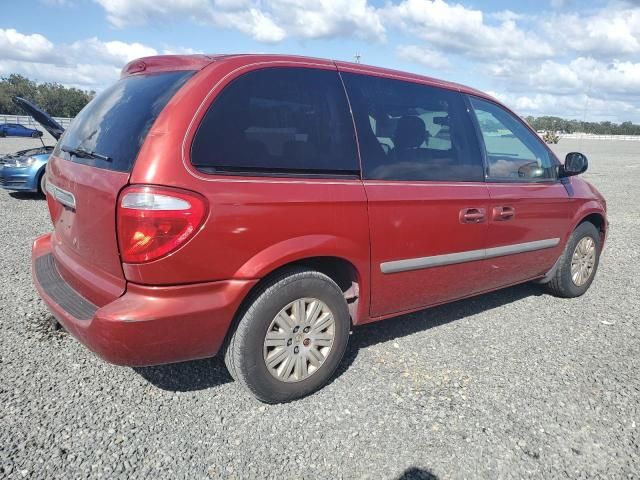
x,y
27,153
31,152
43,118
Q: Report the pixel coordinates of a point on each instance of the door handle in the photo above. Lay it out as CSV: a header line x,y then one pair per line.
x,y
472,215
501,214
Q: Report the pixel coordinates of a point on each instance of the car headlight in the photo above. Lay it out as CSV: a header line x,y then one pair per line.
x,y
24,162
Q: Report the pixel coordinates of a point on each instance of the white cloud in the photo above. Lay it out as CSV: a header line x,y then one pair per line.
x,y
609,79
328,18
582,88
578,106
121,13
79,75
431,59
583,74
17,46
265,21
611,31
89,64
455,28
252,22
113,53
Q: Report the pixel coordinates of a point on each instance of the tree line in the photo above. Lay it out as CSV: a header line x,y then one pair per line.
x,y
53,98
557,124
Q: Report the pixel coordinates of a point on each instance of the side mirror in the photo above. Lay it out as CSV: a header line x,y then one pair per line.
x,y
575,163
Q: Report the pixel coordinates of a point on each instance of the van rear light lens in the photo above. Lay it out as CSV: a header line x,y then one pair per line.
x,y
155,221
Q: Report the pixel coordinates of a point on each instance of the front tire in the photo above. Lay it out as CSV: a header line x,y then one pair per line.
x,y
578,264
291,337
42,184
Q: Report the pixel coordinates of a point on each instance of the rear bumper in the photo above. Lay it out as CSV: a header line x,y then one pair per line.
x,y
146,325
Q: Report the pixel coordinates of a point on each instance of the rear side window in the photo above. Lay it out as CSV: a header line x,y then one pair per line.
x,y
278,121
115,123
513,151
409,131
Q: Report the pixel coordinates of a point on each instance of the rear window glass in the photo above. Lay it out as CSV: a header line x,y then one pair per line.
x,y
278,121
115,123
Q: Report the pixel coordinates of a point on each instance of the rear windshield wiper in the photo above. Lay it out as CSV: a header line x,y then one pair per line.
x,y
83,153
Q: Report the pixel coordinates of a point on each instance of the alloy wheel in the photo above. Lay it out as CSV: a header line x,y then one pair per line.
x,y
299,340
583,261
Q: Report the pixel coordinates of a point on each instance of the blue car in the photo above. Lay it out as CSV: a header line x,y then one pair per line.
x,y
17,130
25,170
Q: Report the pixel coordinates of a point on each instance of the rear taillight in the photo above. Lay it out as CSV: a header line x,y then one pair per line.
x,y
155,221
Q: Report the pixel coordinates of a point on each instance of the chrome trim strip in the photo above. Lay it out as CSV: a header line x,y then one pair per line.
x,y
65,198
397,266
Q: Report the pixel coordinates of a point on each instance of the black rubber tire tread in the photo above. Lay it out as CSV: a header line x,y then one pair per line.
x,y
246,365
561,284
41,191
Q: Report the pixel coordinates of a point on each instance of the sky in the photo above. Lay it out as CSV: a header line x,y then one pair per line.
x,y
571,58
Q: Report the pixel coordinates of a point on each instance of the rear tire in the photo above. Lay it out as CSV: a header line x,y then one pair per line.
x,y
34,134
579,263
281,348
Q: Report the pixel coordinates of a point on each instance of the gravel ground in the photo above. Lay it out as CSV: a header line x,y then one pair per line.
x,y
507,385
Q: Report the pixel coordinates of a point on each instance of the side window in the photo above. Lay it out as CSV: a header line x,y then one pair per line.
x,y
409,131
513,152
278,121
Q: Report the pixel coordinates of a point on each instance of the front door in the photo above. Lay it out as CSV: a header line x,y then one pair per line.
x,y
528,209
428,202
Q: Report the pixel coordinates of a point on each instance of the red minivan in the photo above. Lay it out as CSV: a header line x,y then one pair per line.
x,y
259,206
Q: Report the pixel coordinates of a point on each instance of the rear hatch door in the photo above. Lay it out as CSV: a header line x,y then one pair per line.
x,y
88,169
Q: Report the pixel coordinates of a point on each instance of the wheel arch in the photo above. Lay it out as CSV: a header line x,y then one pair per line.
x,y
598,220
42,170
341,270
341,259
594,215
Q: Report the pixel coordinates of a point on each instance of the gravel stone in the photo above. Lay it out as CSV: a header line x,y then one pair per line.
x,y
513,384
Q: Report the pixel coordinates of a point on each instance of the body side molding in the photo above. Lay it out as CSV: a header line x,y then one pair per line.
x,y
405,265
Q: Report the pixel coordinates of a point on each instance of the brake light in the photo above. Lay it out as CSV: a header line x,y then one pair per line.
x,y
155,221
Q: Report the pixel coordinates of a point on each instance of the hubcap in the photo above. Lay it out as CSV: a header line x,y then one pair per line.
x,y
583,261
299,340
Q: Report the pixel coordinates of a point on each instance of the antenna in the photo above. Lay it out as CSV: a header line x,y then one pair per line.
x,y
356,57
